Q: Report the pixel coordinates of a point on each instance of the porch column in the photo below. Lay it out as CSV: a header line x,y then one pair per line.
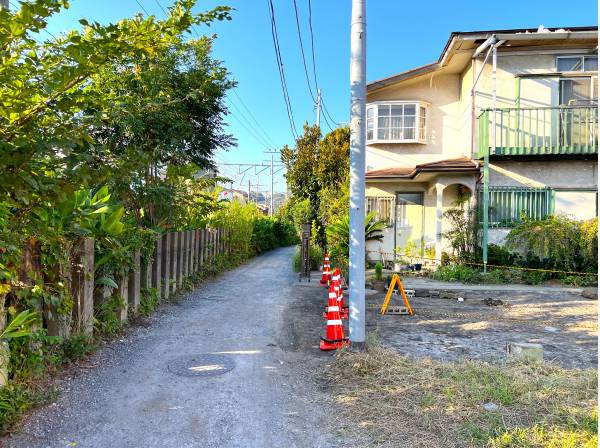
x,y
439,207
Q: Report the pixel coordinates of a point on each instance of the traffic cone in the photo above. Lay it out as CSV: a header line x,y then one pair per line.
x,y
340,297
337,286
334,335
332,299
326,271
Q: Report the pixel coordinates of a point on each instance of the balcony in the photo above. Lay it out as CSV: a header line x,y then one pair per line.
x,y
540,131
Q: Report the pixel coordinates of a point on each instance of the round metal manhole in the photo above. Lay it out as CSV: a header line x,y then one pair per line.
x,y
201,365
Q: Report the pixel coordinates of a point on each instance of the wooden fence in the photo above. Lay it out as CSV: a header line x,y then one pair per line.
x,y
177,256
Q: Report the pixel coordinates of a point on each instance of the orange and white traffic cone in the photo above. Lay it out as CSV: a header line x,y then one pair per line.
x,y
332,299
337,287
340,296
334,335
326,271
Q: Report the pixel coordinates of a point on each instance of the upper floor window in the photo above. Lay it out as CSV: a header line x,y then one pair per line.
x,y
397,122
577,63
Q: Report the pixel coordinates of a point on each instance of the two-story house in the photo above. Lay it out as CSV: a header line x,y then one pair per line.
x,y
507,118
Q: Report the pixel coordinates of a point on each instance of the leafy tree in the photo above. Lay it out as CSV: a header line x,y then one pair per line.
x,y
315,177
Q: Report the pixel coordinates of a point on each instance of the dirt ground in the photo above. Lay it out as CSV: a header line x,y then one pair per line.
x,y
443,328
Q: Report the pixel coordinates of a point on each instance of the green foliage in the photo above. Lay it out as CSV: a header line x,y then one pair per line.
x,y
270,233
338,234
106,320
463,230
321,179
455,272
20,325
378,271
148,301
315,256
15,400
557,242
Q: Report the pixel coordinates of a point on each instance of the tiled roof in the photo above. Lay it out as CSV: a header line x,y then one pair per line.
x,y
458,164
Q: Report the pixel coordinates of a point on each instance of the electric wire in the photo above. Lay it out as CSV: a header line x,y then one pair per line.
x,y
143,9
248,126
284,89
161,7
258,125
302,51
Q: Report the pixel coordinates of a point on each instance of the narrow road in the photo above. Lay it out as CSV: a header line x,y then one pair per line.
x,y
133,398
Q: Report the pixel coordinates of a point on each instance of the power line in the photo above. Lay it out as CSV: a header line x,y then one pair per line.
x,y
249,127
302,51
161,7
312,43
258,125
143,9
327,114
286,96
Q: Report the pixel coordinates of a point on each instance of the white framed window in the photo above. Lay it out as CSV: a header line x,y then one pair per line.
x,y
397,122
577,63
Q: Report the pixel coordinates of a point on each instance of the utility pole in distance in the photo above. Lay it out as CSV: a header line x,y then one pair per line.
x,y
358,90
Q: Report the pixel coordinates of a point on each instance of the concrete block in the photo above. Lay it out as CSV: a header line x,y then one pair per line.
x,y
524,351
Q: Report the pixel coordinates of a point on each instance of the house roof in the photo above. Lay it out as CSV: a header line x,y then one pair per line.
x,y
460,40
461,164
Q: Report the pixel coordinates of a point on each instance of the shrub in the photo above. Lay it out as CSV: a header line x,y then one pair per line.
x,y
378,271
455,272
315,256
557,242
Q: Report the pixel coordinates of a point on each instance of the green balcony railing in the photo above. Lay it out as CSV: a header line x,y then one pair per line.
x,y
510,205
539,131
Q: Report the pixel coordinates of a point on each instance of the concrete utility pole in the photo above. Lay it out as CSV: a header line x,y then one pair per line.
x,y
272,183
318,121
358,90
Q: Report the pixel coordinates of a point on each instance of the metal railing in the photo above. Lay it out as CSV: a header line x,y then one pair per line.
x,y
539,131
510,205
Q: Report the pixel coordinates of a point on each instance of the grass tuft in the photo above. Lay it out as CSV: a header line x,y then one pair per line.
x,y
389,400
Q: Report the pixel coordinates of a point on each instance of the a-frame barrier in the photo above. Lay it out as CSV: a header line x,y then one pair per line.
x,y
385,308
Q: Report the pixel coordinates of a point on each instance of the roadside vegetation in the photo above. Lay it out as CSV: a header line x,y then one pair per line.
x,y
388,400
553,248
115,141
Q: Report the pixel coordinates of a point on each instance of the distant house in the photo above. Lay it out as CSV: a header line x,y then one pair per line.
x,y
434,134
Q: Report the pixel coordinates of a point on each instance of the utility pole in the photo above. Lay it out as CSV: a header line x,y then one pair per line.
x,y
248,191
318,122
358,91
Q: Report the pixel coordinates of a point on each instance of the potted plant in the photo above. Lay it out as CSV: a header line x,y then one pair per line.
x,y
378,281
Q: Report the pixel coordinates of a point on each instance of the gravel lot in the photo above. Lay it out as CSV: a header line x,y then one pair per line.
x,y
443,328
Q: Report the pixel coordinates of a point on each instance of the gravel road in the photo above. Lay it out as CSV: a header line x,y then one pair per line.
x,y
270,398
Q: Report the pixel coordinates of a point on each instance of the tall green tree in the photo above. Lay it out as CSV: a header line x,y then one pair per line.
x,y
319,178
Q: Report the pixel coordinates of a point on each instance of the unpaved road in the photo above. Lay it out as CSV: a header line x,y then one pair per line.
x,y
271,398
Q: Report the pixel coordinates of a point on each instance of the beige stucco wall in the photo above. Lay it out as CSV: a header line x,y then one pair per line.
x,y
391,240
443,128
549,173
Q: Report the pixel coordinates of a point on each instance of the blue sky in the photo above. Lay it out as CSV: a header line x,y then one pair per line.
x,y
401,35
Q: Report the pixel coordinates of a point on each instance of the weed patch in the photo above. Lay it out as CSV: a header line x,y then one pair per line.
x,y
389,400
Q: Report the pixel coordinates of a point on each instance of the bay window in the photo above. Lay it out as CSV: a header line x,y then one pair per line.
x,y
397,122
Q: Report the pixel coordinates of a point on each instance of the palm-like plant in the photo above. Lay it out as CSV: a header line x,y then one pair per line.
x,y
338,233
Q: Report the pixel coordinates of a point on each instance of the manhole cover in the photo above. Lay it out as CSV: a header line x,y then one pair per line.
x,y
201,365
